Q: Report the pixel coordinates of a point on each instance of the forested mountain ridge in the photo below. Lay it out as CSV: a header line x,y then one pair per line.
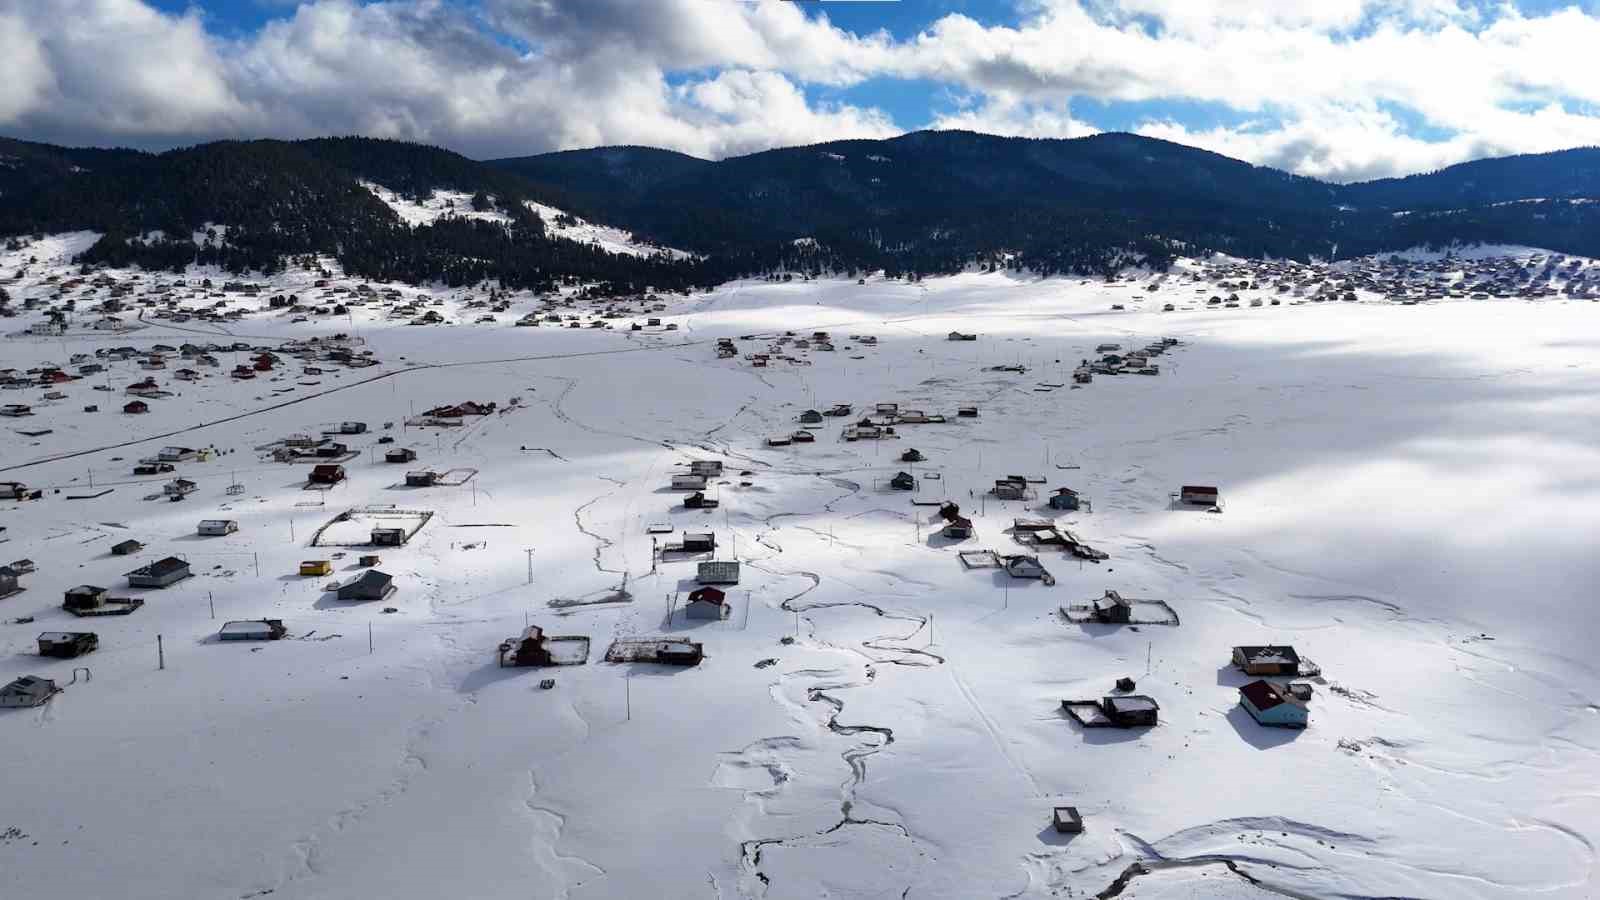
x,y
924,203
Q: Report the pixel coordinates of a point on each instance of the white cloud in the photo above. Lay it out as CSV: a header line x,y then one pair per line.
x,y
1336,88
1006,115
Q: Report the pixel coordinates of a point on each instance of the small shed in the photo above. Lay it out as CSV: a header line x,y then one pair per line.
x,y
388,537
316,567
9,581
1022,566
1068,821
1130,710
811,417
126,548
1113,609
216,527
680,653
327,473
1064,498
422,478
372,585
135,407
699,542
29,690
959,528
1198,495
690,482
352,428
1267,660
252,630
707,603
369,560
1008,489
912,455
400,455
967,412
85,596
529,649
1273,705
698,500
67,644
159,574
718,573
903,481
708,468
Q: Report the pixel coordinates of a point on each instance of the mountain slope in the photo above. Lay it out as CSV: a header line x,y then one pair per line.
x,y
925,202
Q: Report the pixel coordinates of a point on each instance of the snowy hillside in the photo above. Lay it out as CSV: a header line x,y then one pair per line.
x,y
612,240
557,223
1405,498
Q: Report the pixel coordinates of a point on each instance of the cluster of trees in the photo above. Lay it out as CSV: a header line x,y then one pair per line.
x,y
922,204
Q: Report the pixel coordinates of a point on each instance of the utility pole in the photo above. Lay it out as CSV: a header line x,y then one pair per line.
x,y
161,654
369,638
211,601
627,695
529,551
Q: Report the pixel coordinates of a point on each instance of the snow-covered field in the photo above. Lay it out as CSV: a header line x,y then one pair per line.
x,y
1410,501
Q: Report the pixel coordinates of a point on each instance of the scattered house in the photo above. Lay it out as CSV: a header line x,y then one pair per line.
x,y
29,690
811,417
126,548
372,585
1113,609
23,566
966,412
535,648
16,410
176,454
216,527
707,603
1267,660
780,441
1198,495
328,473
903,482
669,651
1010,489
718,573
352,428
959,528
159,574
388,537
803,437
1068,821
1023,566
699,542
912,455
13,490
958,336
1064,498
839,409
67,644
136,407
1274,705
400,455
9,581
691,482
699,500
368,560
85,596
179,487
1130,710
252,630
422,478
316,567
706,468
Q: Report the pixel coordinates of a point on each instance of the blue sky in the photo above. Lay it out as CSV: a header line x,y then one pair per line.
x,y
1338,89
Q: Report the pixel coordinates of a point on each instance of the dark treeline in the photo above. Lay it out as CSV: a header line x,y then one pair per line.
x,y
927,203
